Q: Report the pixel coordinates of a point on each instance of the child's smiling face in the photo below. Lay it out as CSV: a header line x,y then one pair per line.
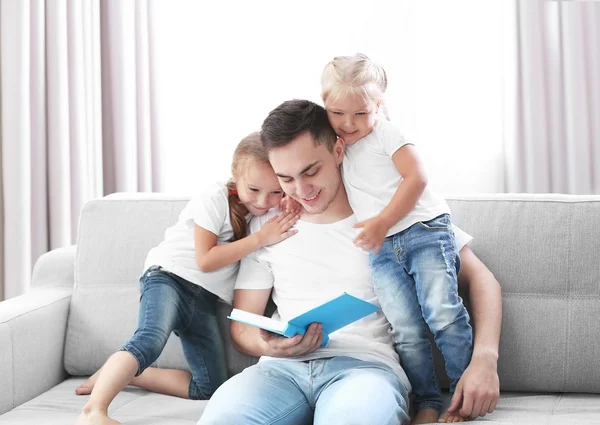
x,y
258,188
352,117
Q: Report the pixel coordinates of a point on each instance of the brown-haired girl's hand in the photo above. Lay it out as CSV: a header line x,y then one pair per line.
x,y
290,205
277,229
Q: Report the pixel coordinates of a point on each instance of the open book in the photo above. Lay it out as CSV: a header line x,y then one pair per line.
x,y
334,315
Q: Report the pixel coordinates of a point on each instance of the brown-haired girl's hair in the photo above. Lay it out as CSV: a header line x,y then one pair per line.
x,y
248,152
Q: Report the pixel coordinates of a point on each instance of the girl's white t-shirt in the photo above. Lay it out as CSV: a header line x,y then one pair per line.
x,y
371,178
314,266
177,254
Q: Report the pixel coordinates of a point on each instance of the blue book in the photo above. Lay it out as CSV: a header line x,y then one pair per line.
x,y
333,315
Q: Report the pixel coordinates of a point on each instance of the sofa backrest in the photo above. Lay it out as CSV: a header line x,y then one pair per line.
x,y
545,252
115,234
543,249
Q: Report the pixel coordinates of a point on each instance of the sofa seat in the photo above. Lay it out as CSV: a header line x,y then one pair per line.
x,y
61,406
133,406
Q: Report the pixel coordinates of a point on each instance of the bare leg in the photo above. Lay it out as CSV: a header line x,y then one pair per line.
x,y
164,381
425,416
117,372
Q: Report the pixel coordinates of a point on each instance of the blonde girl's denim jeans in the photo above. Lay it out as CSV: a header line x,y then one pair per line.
x,y
415,279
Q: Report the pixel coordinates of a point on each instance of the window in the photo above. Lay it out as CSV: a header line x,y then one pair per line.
x,y
222,66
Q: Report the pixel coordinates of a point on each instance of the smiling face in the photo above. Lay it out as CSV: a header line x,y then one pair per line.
x,y
309,173
352,117
258,187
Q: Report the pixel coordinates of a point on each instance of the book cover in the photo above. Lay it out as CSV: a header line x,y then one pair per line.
x,y
333,315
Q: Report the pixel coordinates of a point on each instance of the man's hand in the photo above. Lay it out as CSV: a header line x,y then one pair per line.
x,y
298,345
477,390
372,235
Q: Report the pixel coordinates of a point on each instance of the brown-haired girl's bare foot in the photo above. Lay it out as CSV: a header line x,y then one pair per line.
x,y
426,416
87,387
451,418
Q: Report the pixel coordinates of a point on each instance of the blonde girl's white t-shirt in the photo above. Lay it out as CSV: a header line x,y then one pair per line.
x,y
314,266
371,178
176,253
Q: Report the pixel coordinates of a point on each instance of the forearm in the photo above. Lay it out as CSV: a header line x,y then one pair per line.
x,y
245,338
222,255
407,195
486,307
478,389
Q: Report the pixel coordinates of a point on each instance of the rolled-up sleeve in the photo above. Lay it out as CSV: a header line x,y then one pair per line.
x,y
254,273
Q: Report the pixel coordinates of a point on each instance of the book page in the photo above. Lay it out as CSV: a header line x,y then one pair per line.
x,y
257,320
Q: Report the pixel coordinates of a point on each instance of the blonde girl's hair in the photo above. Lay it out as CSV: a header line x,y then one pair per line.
x,y
248,152
354,76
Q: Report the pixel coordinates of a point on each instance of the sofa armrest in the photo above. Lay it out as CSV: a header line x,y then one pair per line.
x,y
32,335
56,268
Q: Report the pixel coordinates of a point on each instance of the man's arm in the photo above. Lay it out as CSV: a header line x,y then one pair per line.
x,y
257,342
478,389
246,338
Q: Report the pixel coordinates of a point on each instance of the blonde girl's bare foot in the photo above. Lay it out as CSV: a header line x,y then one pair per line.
x,y
451,418
87,387
94,417
426,416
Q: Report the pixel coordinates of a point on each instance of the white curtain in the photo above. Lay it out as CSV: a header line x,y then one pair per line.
x,y
553,111
78,119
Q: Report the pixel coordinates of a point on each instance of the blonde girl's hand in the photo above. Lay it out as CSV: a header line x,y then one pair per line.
x,y
372,235
290,205
277,229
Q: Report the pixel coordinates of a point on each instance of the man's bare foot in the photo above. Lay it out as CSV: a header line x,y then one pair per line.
x,y
451,418
87,387
94,417
426,416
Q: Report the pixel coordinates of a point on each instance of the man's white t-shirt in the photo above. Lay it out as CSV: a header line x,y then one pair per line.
x,y
316,265
177,254
371,178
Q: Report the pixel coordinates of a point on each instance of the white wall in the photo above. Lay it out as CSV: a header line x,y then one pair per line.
x,y
224,65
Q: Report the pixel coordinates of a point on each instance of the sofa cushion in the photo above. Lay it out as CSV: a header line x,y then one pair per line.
x,y
61,406
543,249
115,234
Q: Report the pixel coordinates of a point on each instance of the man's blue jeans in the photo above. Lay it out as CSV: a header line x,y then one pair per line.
x,y
168,304
336,390
415,279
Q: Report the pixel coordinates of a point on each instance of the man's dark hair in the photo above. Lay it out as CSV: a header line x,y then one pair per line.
x,y
293,118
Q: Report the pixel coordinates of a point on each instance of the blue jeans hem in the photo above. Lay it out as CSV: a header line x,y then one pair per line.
x,y
435,405
195,394
136,355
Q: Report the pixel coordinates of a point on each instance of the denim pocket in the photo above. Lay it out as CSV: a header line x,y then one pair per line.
x,y
441,222
151,271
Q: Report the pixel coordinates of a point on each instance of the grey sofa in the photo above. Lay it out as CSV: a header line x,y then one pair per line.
x,y
545,251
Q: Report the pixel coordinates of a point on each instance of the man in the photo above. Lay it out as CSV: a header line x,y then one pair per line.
x,y
356,377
